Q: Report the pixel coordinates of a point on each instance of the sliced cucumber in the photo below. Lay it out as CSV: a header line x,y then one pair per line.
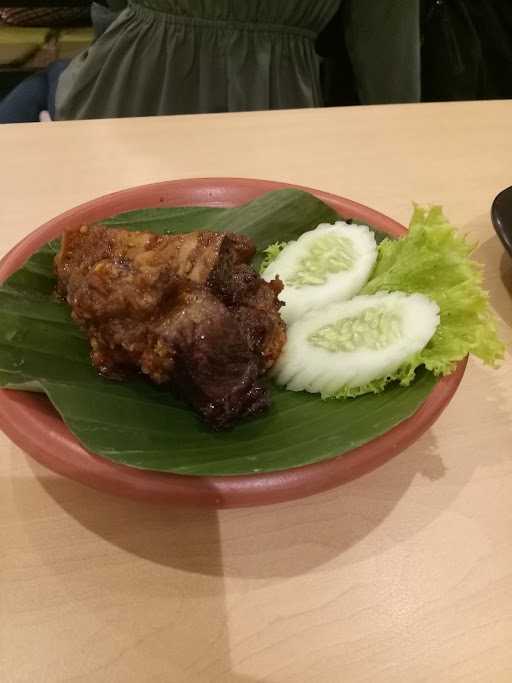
x,y
351,344
330,263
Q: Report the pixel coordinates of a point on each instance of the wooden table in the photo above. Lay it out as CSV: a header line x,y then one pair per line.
x,y
402,575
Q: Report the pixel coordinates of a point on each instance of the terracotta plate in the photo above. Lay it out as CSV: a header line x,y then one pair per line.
x,y
32,423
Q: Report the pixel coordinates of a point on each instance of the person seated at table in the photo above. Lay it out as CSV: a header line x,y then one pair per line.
x,y
195,56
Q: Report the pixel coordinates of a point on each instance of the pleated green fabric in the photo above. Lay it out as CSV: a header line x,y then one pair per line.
x,y
198,56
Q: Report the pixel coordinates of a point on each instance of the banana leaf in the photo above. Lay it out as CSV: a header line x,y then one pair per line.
x,y
142,425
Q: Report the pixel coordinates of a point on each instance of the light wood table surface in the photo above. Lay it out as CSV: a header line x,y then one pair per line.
x,y
402,575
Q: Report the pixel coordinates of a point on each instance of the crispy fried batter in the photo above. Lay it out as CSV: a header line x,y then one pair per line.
x,y
185,309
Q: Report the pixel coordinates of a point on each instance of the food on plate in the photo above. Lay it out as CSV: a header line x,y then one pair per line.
x,y
330,263
188,309
131,290
336,350
185,309
342,348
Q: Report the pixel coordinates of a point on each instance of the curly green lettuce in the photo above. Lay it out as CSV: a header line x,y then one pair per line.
x,y
271,253
435,260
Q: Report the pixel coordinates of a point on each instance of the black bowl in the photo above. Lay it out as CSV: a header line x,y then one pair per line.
x,y
501,216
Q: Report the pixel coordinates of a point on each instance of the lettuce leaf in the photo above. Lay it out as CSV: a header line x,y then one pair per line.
x,y
271,253
435,260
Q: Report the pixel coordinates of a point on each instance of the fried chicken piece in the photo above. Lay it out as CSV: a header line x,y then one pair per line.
x,y
185,309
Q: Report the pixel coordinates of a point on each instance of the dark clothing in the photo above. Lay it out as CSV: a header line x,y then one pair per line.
x,y
33,95
190,56
199,56
466,50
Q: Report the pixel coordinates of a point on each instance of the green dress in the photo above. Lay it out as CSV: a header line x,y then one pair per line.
x,y
196,56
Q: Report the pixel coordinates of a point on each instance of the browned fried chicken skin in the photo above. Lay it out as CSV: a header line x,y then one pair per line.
x,y
185,309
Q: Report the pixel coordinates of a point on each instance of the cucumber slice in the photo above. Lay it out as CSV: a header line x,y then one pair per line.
x,y
330,263
351,344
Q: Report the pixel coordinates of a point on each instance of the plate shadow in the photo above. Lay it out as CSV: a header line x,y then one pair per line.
x,y
274,541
